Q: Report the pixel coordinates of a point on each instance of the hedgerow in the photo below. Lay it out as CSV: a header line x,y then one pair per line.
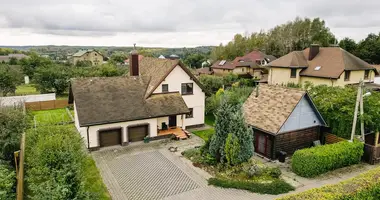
x,y
276,186
364,186
318,160
7,181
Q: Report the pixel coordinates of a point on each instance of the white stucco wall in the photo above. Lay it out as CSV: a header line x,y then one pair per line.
x,y
94,136
303,116
195,101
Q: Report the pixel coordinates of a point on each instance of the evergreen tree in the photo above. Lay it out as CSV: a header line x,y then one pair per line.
x,y
244,134
223,118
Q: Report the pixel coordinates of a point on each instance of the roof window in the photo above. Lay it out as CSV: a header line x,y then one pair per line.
x,y
317,68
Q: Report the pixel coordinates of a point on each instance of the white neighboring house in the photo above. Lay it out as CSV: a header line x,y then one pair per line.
x,y
160,97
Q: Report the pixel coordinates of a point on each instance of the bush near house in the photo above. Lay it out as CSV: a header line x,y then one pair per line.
x,y
364,186
318,160
57,167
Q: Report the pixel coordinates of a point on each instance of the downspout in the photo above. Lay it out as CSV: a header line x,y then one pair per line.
x,y
88,138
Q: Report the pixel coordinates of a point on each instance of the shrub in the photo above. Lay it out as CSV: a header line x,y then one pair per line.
x,y
274,172
232,149
8,181
13,124
364,186
277,186
58,167
318,160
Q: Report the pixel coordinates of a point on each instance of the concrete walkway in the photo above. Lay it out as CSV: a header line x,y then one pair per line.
x,y
151,171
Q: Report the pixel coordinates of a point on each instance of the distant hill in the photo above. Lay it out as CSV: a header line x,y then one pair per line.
x,y
63,51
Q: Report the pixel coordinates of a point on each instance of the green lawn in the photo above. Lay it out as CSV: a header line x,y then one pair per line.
x,y
51,116
210,119
204,134
26,90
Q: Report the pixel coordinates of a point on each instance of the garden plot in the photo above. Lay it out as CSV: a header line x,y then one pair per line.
x,y
51,117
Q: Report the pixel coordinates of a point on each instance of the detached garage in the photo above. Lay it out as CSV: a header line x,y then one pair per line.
x,y
137,133
282,119
110,137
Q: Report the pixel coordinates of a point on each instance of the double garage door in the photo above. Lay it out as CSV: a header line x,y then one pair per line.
x,y
113,137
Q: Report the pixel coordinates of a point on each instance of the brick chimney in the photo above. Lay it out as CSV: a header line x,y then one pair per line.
x,y
134,63
313,51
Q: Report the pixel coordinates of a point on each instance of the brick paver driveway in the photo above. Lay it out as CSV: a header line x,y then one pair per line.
x,y
150,171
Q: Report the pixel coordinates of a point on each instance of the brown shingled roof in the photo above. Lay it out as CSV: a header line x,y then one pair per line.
x,y
116,99
333,61
292,59
272,107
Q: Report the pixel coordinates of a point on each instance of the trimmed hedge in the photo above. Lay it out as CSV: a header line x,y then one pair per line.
x,y
276,186
363,186
314,161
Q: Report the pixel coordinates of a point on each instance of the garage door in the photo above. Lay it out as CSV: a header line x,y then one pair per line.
x,y
137,133
110,137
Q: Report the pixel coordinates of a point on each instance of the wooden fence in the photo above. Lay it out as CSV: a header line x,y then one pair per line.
x,y
20,169
331,138
371,154
46,105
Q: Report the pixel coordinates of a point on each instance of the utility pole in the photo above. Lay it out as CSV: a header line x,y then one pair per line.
x,y
361,111
358,100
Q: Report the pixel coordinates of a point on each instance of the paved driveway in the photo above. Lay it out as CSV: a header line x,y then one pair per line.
x,y
150,171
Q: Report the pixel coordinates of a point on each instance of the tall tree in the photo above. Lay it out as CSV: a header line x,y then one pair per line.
x,y
9,79
369,49
348,44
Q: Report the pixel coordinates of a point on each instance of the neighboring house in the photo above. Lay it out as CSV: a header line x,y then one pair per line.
x,y
204,70
160,96
9,56
258,57
173,57
94,56
331,66
283,119
250,65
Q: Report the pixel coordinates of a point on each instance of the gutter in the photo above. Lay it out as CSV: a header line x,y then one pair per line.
x,y
88,137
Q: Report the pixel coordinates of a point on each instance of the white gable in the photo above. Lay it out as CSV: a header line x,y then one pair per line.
x,y
196,101
303,116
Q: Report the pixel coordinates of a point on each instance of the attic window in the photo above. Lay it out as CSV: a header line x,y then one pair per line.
x,y
317,68
222,62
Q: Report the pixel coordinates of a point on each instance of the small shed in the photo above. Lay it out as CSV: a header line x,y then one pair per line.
x,y
283,119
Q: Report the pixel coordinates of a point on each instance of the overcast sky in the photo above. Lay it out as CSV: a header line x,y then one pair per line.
x,y
171,23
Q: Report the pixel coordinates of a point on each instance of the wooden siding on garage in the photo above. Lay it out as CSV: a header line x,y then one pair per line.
x,y
294,140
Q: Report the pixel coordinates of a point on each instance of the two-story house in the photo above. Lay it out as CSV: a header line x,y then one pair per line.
x,y
161,97
251,65
93,56
330,66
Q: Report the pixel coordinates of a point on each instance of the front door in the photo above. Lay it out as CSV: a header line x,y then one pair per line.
x,y
173,121
261,143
